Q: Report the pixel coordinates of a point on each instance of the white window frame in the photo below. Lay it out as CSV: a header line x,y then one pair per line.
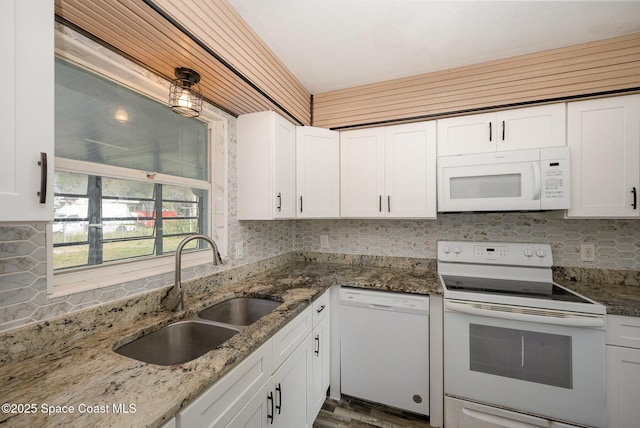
x,y
93,57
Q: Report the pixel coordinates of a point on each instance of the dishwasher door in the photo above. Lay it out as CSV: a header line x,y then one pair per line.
x,y
384,348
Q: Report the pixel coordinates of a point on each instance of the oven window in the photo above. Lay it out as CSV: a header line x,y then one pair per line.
x,y
531,356
486,186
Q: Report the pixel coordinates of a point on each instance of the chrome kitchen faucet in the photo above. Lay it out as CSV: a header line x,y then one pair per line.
x,y
175,298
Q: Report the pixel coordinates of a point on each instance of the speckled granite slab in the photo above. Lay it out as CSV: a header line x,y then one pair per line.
x,y
617,290
86,372
70,361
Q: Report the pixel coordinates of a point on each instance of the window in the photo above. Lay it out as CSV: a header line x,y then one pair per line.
x,y
132,177
102,219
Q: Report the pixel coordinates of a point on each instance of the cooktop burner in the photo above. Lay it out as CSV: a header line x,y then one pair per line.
x,y
517,274
506,287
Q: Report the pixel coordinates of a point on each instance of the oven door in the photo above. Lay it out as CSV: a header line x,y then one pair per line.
x,y
553,369
490,182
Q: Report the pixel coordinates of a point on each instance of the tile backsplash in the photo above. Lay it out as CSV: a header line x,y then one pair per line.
x,y
617,241
23,298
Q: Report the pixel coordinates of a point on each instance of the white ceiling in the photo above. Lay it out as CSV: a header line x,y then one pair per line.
x,y
336,44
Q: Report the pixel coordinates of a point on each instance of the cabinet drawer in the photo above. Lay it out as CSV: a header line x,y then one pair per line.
x,y
623,331
221,402
290,336
320,307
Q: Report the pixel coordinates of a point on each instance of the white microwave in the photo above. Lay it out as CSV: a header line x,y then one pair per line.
x,y
519,180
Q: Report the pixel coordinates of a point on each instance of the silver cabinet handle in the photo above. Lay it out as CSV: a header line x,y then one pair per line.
x,y
317,351
389,203
279,196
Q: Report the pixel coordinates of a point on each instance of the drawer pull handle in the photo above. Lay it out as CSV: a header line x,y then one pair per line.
x,y
279,201
634,192
279,405
42,194
320,309
270,416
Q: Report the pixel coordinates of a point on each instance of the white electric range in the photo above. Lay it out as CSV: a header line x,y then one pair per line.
x,y
519,349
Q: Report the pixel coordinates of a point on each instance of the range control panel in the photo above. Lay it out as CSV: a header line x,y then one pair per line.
x,y
498,253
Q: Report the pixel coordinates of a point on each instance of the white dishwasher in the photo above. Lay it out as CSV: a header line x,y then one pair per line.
x,y
384,348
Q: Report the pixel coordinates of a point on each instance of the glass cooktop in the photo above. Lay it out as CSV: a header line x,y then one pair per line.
x,y
508,287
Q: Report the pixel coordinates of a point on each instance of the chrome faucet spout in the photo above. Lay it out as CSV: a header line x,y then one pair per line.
x,y
175,298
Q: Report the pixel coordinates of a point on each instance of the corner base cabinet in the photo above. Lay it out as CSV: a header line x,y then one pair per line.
x,y
278,385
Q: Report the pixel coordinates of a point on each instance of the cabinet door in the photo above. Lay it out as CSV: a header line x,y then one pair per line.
x,y
317,172
623,386
410,170
266,166
289,386
27,112
219,404
475,133
257,413
604,138
319,372
284,169
532,127
362,173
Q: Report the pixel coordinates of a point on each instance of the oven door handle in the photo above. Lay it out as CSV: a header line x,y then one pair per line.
x,y
551,317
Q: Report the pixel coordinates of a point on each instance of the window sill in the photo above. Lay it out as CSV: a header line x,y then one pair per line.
x,y
66,283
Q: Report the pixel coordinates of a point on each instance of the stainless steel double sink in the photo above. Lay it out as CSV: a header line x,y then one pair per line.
x,y
187,339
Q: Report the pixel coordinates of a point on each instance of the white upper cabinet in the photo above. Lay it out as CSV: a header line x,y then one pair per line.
x,y
525,128
266,167
27,115
604,138
389,172
410,170
362,172
317,172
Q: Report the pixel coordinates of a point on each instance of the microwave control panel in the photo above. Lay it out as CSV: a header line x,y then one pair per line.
x,y
554,167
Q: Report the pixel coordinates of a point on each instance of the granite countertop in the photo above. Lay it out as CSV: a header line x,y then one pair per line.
x,y
88,373
619,299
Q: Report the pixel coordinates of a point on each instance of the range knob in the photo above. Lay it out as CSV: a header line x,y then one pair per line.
x,y
528,252
540,253
457,250
446,249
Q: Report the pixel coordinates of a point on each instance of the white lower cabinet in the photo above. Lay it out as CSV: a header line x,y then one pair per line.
x,y
282,402
319,374
220,403
623,371
269,388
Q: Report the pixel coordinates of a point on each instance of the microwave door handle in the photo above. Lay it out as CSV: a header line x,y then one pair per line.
x,y
536,179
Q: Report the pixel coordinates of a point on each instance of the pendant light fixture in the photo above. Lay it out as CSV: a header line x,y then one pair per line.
x,y
185,96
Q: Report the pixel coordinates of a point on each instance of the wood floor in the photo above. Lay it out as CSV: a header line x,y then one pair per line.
x,y
350,412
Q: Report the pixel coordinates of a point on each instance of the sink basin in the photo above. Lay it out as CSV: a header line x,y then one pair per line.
x,y
177,343
241,311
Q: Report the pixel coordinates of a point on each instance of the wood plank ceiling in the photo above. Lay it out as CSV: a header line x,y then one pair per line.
x,y
239,73
590,69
